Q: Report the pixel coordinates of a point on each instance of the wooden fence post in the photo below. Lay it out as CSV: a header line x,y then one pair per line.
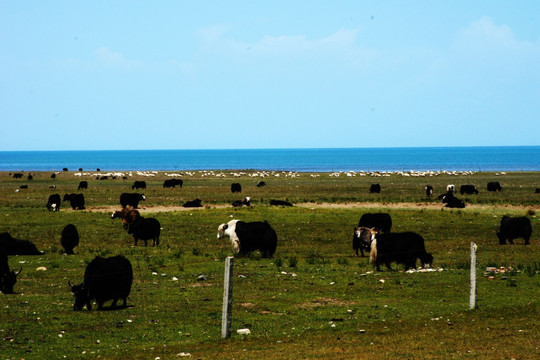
x,y
226,318
472,298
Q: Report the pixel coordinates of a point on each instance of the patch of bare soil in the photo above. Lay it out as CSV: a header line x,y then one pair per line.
x,y
351,205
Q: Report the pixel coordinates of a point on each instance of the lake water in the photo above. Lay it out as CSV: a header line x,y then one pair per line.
x,y
515,158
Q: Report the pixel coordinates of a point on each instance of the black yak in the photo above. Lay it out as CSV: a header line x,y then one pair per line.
x,y
513,228
75,200
12,246
145,229
131,199
280,203
104,279
404,248
69,239
172,183
8,278
380,221
139,185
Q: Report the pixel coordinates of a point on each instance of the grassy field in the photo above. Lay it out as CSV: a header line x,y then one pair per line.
x,y
314,299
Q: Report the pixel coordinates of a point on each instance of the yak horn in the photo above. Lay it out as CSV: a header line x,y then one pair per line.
x,y
17,273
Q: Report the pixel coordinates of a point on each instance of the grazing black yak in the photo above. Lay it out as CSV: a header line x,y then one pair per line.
x,y
69,239
104,279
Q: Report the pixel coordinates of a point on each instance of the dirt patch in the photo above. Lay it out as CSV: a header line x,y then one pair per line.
x,y
352,205
324,301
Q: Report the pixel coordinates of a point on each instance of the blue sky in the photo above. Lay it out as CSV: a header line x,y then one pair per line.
x,y
85,75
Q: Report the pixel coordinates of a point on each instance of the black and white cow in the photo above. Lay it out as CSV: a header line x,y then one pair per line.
x,y
75,200
139,185
131,199
69,239
403,248
513,228
53,203
247,237
244,202
494,186
379,221
104,279
468,189
375,188
452,202
261,184
429,190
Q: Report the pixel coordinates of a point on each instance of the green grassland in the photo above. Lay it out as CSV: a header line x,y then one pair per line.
x,y
314,299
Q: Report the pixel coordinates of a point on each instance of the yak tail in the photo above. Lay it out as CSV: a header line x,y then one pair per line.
x,y
373,252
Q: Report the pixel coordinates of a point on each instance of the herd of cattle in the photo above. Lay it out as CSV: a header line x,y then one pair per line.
x,y
111,278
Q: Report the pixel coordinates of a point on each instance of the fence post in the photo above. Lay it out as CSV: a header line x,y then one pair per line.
x,y
472,298
226,318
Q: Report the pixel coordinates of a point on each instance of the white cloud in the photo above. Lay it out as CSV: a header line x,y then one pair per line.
x,y
109,58
340,46
483,36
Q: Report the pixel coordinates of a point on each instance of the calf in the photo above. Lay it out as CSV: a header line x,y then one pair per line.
x,y
139,185
248,237
429,190
145,229
131,199
82,185
53,203
69,239
468,189
375,188
380,221
261,184
361,240
128,216
513,228
403,248
76,201
12,246
494,186
104,279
